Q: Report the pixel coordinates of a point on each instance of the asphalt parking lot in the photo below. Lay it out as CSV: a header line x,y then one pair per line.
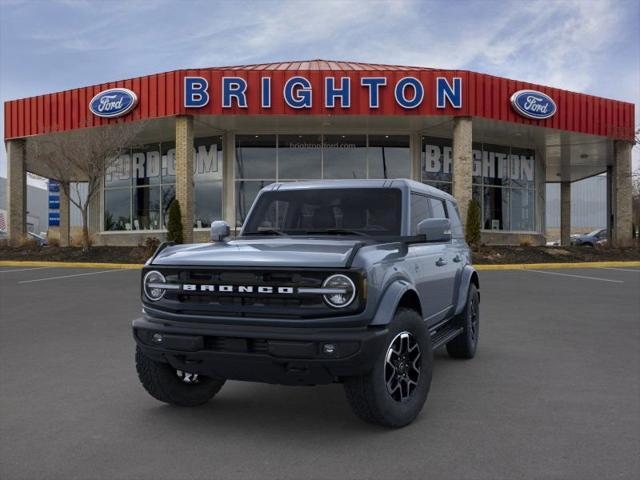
x,y
554,392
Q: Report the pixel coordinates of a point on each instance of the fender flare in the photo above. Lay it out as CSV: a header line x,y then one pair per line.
x,y
388,304
469,275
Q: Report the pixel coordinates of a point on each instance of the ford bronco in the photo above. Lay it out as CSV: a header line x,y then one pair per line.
x,y
349,281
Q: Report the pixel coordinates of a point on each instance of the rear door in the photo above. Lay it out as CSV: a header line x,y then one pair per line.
x,y
459,248
429,265
447,262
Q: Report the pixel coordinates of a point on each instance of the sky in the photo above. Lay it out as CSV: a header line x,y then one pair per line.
x,y
590,46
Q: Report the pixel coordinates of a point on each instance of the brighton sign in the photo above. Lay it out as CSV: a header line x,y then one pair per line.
x,y
298,93
113,103
533,104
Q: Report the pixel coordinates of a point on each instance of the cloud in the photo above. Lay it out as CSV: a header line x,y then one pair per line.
x,y
583,45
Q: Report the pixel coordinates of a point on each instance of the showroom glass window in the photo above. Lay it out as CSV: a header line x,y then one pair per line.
x,y
503,181
265,159
117,194
140,186
207,181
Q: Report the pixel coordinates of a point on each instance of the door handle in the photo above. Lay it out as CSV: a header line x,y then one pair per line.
x,y
441,262
457,259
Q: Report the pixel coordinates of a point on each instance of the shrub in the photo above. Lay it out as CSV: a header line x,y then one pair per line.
x,y
54,242
174,225
76,240
29,244
472,230
151,244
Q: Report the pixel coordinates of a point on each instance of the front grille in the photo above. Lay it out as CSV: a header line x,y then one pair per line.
x,y
251,304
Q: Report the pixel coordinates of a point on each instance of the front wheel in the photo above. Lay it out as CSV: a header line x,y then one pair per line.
x,y
393,393
173,386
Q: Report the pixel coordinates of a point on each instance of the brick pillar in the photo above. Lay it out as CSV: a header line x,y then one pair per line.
x,y
228,179
565,213
16,191
65,216
184,173
462,163
622,191
416,157
610,201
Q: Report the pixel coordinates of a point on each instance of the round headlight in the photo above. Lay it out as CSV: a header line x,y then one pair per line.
x,y
150,283
342,293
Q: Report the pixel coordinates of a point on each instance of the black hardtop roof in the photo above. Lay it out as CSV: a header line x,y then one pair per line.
x,y
401,183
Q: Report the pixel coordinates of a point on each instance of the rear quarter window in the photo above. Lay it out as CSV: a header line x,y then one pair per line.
x,y
419,211
454,217
437,208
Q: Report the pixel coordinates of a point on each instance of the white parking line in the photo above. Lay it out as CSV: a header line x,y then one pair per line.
x,y
637,270
69,276
23,269
576,276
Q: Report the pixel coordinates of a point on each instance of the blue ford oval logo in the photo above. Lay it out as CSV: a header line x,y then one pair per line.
x,y
533,104
114,102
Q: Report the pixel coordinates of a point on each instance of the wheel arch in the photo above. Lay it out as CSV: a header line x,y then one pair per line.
x,y
399,293
469,276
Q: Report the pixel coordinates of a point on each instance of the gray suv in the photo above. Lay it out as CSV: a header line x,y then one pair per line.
x,y
348,281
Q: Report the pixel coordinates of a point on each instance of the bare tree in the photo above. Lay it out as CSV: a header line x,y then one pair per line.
x,y
635,179
82,156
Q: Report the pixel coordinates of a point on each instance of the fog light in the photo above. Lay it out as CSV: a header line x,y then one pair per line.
x,y
157,338
329,348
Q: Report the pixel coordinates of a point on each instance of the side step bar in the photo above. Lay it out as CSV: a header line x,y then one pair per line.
x,y
443,335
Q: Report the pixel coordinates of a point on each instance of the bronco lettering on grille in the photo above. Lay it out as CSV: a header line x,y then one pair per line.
x,y
190,287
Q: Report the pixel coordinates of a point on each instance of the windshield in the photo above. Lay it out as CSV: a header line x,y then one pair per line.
x,y
340,211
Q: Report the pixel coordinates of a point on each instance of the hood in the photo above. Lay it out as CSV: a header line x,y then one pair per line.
x,y
262,252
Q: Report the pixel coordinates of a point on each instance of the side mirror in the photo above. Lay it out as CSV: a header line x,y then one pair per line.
x,y
219,231
435,229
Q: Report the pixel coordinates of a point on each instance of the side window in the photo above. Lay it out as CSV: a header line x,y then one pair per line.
x,y
454,216
419,211
437,207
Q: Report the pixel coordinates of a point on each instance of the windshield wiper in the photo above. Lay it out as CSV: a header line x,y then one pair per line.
x,y
267,232
336,231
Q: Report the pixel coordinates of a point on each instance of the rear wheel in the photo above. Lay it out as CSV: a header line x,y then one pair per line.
x,y
393,393
465,344
172,386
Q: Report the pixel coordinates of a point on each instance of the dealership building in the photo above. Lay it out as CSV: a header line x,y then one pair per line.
x,y
212,138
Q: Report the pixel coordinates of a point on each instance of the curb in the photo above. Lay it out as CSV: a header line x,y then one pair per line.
x,y
509,266
549,266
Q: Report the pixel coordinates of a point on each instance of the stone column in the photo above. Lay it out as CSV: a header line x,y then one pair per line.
x,y
565,213
184,173
462,163
16,191
65,216
610,201
228,179
416,156
622,191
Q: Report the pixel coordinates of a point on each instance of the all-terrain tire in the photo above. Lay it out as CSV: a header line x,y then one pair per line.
x,y
368,394
164,383
466,344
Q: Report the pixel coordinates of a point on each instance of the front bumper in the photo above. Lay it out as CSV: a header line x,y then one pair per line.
x,y
282,355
